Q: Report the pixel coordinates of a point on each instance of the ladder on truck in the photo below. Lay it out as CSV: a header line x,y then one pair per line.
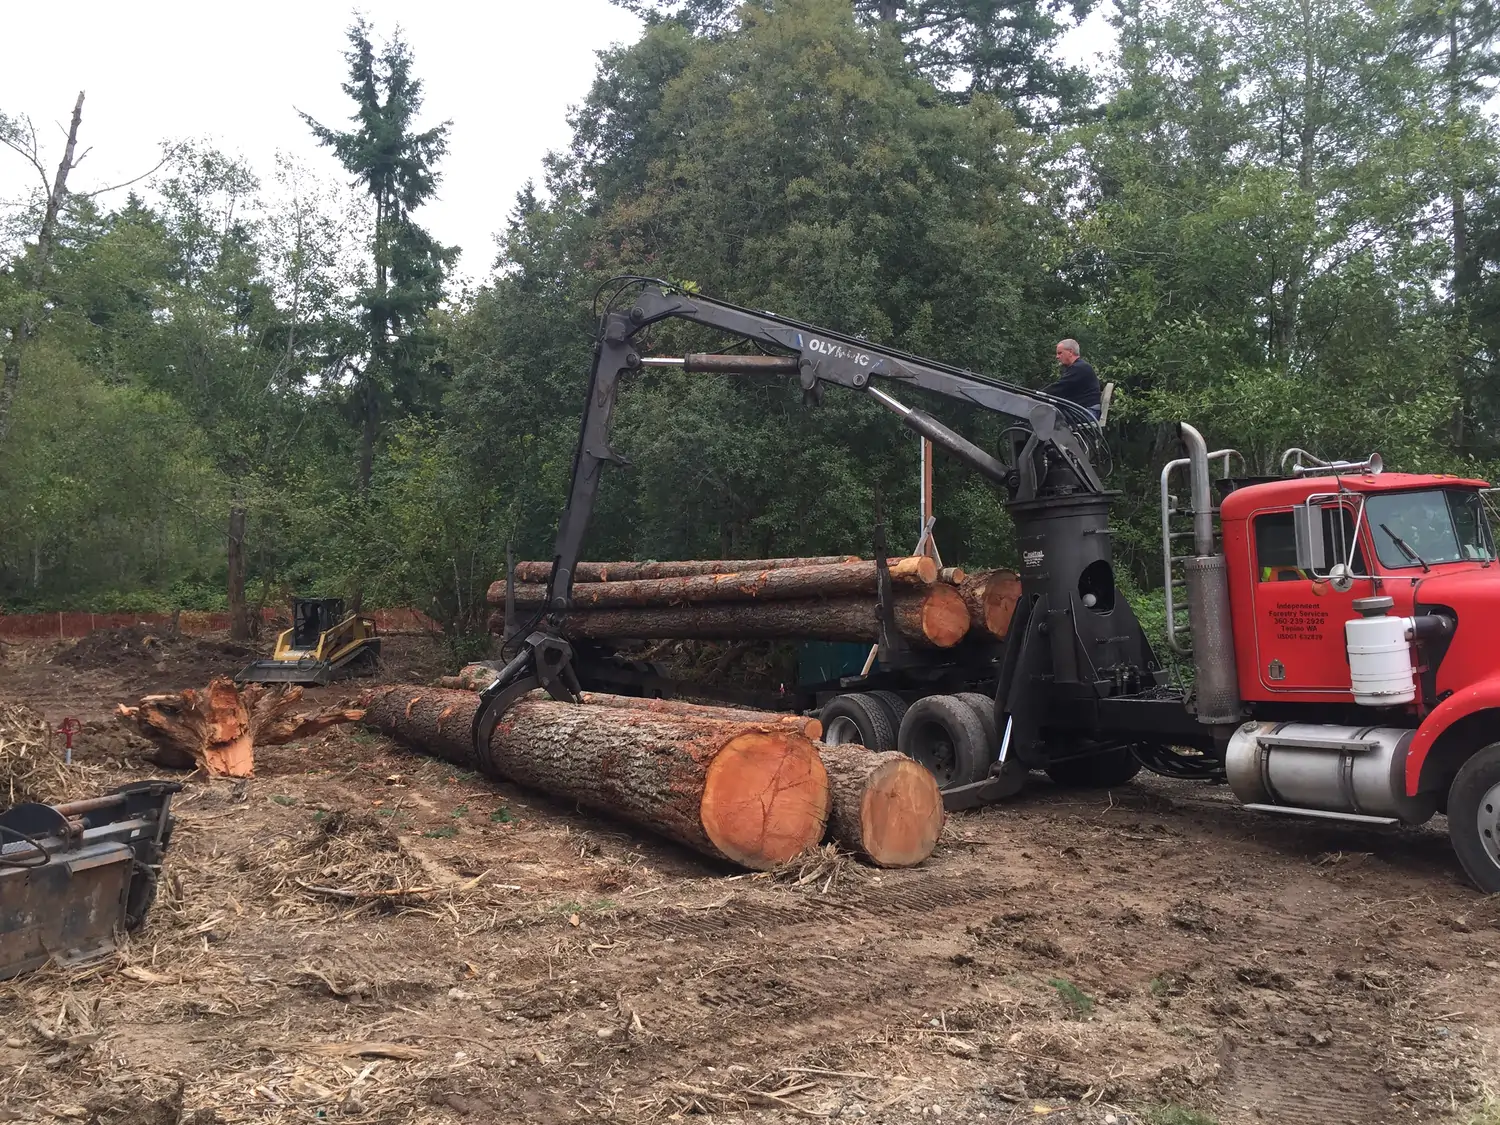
x,y
1176,527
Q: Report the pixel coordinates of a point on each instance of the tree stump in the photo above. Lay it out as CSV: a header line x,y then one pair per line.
x,y
217,729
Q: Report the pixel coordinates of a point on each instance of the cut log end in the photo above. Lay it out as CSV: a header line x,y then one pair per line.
x,y
765,799
945,617
901,814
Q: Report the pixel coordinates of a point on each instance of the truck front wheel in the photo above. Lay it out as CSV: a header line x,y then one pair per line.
x,y
1474,818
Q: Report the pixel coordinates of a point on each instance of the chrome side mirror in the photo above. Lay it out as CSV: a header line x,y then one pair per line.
x,y
1307,526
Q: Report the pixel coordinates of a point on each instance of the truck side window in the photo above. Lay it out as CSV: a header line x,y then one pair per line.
x,y
1276,548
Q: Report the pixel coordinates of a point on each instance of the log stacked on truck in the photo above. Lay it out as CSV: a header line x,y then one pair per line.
x,y
991,597
761,599
752,792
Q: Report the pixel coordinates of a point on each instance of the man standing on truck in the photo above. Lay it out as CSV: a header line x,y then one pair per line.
x,y
1078,383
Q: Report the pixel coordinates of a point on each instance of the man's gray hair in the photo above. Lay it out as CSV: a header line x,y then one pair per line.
x,y
1070,345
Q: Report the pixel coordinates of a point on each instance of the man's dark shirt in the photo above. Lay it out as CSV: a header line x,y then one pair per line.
x,y
1078,384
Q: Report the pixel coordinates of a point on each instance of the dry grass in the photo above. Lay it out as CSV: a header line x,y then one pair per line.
x,y
31,761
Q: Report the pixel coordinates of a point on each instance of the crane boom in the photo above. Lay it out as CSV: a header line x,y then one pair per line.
x,y
1050,459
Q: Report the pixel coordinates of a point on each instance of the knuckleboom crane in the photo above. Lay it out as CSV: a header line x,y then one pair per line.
x,y
1075,630
1339,618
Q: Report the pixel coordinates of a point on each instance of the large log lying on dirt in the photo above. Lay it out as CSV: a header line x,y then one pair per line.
x,y
991,596
217,729
886,808
634,571
790,583
804,725
752,793
932,617
477,677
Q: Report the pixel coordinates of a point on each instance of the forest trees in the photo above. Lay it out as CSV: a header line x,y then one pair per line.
x,y
28,274
1274,218
390,361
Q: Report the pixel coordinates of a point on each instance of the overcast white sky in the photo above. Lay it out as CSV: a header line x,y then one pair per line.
x,y
505,73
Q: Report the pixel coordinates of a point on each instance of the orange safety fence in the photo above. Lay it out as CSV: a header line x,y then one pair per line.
x,y
41,626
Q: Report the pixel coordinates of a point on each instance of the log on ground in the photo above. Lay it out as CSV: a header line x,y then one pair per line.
x,y
217,729
934,617
885,808
991,597
805,725
634,571
791,583
753,793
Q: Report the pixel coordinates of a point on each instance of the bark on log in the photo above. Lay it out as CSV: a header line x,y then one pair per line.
x,y
476,677
636,571
952,575
471,677
790,583
935,617
217,729
804,725
883,807
991,597
752,793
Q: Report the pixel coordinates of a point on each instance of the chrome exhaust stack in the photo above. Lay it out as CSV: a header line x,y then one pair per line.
x,y
1217,688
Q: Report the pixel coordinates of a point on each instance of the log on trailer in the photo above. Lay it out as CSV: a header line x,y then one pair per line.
x,y
217,729
932,617
991,597
634,571
886,808
752,793
791,583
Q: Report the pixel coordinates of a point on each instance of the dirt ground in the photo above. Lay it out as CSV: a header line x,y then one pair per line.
x,y
1154,954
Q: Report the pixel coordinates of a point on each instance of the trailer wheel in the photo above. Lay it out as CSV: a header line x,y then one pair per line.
x,y
944,734
1011,777
984,707
856,718
1097,771
894,705
1474,818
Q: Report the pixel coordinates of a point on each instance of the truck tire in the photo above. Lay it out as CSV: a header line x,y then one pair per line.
x,y
894,704
943,733
1474,818
1097,771
1011,778
856,718
984,707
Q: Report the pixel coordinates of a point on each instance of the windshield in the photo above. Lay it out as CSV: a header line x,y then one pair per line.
x,y
1438,526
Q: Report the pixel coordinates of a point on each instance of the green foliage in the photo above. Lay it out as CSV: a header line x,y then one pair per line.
x,y
391,347
1079,1001
797,166
1277,222
105,488
965,47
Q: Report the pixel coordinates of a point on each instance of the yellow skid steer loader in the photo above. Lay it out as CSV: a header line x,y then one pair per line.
x,y
322,645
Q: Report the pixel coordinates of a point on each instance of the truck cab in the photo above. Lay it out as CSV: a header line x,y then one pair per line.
x,y
1364,607
1421,540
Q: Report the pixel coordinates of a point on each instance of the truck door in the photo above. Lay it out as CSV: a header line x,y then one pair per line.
x,y
1299,620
